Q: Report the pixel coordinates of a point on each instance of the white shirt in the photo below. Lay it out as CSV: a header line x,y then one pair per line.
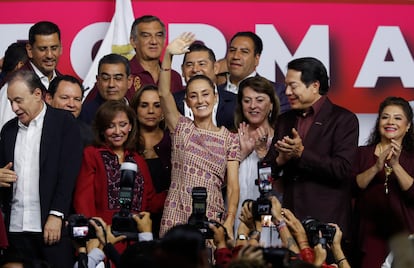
x,y
233,88
388,261
189,114
25,204
43,78
6,112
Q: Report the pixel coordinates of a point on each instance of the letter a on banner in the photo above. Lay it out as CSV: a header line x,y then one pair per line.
x,y
116,39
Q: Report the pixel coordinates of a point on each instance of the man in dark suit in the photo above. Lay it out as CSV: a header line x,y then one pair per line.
x,y
201,60
40,152
66,92
243,56
112,82
44,50
314,147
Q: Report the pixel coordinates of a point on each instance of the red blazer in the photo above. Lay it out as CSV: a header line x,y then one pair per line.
x,y
3,234
97,195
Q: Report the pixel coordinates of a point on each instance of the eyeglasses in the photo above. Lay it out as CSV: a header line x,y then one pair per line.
x,y
107,77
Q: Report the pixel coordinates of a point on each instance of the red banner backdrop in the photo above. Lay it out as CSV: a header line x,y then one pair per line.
x,y
368,47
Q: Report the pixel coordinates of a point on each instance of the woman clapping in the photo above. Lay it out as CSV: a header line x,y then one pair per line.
x,y
384,175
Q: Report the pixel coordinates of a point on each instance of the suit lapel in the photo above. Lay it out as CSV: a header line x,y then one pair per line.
x,y
11,136
46,140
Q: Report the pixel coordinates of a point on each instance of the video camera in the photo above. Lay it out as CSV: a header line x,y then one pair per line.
x,y
122,221
198,216
80,229
263,206
312,227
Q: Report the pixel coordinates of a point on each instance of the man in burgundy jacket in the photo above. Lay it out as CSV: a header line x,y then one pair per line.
x,y
314,147
148,40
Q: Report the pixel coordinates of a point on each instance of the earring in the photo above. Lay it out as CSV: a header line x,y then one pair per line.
x,y
270,114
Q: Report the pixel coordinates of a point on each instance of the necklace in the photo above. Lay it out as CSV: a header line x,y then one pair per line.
x,y
387,170
149,153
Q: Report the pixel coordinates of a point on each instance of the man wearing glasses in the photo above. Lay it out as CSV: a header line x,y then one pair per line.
x,y
112,82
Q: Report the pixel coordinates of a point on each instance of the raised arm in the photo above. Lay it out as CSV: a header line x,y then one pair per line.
x,y
177,47
288,240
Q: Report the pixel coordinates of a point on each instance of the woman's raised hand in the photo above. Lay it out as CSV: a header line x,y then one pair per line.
x,y
180,44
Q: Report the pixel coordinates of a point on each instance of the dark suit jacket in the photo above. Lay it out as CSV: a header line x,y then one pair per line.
x,y
60,160
280,92
90,107
318,184
28,67
225,109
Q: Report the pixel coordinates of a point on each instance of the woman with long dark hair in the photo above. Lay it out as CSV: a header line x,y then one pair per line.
x,y
384,173
154,144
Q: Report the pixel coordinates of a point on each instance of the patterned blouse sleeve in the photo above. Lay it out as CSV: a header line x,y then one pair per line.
x,y
233,151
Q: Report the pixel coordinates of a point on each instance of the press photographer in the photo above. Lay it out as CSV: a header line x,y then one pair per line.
x,y
318,232
80,228
315,251
247,249
93,239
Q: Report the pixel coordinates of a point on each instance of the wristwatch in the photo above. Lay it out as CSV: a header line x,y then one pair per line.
x,y
242,237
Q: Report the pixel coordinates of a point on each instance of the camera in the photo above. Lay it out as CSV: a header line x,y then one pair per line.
x,y
263,206
122,221
198,216
312,227
80,229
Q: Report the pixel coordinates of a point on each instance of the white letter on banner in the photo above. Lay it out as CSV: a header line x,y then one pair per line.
x,y
314,44
387,39
81,48
211,36
11,33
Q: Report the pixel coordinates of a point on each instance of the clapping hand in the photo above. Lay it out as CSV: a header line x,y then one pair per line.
x,y
289,148
396,149
252,140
